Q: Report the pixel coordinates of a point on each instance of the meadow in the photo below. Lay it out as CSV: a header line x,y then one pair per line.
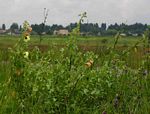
x,y
74,74
6,40
97,45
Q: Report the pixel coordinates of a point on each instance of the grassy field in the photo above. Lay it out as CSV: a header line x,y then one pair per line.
x,y
96,44
77,75
59,40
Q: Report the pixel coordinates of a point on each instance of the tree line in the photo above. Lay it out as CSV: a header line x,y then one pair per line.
x,y
93,29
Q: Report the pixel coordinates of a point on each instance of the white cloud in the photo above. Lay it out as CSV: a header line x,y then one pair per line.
x,y
66,11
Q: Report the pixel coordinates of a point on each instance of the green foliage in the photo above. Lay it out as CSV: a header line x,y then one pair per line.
x,y
111,32
3,26
14,26
68,81
104,41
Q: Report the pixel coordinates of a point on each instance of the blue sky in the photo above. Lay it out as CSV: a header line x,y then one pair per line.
x,y
66,11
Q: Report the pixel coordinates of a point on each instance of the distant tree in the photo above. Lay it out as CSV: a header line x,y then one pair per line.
x,y
103,26
14,26
20,28
103,29
56,27
115,26
39,28
71,26
47,29
123,27
50,32
3,26
137,28
95,29
111,32
90,28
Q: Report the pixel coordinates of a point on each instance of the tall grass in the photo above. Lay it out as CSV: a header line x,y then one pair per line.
x,y
68,81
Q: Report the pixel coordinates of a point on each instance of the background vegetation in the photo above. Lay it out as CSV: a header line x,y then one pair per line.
x,y
69,79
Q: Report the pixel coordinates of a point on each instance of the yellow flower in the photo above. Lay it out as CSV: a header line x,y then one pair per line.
x,y
26,55
26,38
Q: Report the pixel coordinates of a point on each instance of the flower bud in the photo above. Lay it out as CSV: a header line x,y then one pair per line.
x,y
29,29
26,55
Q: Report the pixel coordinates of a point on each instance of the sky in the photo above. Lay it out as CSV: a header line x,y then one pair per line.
x,y
66,11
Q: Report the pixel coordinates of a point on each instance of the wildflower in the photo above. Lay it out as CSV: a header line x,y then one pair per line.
x,y
25,25
29,29
26,54
116,101
89,63
145,72
26,38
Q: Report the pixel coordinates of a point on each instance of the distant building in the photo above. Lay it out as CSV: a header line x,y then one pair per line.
x,y
13,32
64,32
9,32
16,31
135,34
43,33
123,34
2,31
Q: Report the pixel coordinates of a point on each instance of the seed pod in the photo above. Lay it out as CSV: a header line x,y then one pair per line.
x,y
26,34
88,64
29,29
18,72
91,61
